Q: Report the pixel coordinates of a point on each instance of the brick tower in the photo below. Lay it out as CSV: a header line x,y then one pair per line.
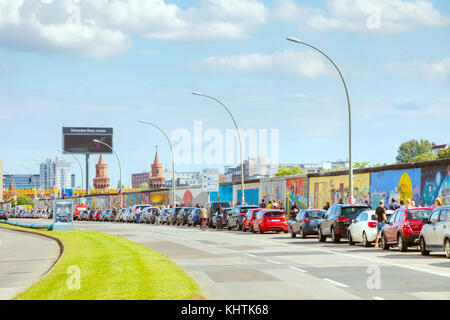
x,y
157,180
101,180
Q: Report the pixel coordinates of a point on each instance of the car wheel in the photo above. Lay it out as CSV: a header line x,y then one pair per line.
x,y
423,247
260,230
402,245
302,233
252,229
293,235
322,238
447,248
384,243
334,237
228,226
350,239
365,241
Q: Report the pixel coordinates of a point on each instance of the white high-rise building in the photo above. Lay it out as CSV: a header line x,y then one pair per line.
x,y
56,173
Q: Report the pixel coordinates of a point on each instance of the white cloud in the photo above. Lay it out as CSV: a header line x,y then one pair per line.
x,y
434,71
305,64
383,16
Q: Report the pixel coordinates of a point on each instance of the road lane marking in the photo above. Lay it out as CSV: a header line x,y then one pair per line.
x,y
229,250
268,260
297,269
198,242
336,283
251,255
378,298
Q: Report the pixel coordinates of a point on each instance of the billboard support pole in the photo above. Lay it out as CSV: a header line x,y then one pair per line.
x,y
87,174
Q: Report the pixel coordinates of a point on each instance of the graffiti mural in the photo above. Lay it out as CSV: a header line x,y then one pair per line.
x,y
395,184
191,197
333,188
297,192
273,190
435,184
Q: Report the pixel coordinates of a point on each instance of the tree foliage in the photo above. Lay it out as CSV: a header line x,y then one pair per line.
x,y
361,165
408,150
289,171
145,186
444,153
427,156
23,200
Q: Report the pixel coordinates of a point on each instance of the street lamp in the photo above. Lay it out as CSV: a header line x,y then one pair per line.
x,y
81,168
171,150
239,137
349,111
120,167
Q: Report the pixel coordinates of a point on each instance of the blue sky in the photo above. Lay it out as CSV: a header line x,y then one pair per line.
x,y
130,60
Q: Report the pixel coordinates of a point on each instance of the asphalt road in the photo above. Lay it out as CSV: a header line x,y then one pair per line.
x,y
24,259
238,265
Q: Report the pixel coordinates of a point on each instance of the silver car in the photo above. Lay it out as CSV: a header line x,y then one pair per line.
x,y
435,235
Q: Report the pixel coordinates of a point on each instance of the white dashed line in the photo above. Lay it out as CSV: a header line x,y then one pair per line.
x,y
197,242
229,250
378,298
251,255
297,269
276,262
337,283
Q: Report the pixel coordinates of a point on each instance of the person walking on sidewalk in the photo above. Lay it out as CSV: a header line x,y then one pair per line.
x,y
203,217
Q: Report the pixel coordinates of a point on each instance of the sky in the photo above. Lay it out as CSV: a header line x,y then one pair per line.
x,y
100,63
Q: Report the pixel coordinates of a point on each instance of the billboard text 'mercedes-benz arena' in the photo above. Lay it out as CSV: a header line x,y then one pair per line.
x,y
87,140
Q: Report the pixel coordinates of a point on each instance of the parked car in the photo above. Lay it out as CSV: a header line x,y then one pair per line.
x,y
211,208
83,215
96,215
336,221
270,220
3,215
194,217
221,220
174,214
237,215
164,216
435,235
306,222
404,228
182,216
364,228
247,223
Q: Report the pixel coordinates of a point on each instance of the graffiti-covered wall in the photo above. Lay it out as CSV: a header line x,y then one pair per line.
x,y
333,188
226,193
251,193
191,197
297,192
273,190
397,184
435,184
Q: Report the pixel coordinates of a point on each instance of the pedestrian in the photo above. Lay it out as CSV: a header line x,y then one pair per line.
x,y
367,204
327,206
281,205
309,205
294,210
408,204
402,204
275,204
203,217
269,205
219,217
138,215
197,206
263,204
380,215
341,201
394,205
437,203
413,203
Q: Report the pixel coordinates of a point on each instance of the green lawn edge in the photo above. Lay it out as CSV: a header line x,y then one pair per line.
x,y
110,267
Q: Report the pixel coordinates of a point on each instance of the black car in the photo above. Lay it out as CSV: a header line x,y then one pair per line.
x,y
174,215
211,208
336,221
306,222
183,215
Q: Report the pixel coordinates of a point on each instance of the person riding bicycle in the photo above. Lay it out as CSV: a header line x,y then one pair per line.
x,y
203,217
219,218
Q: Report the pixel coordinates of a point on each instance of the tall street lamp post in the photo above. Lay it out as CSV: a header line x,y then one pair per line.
x,y
173,159
349,112
239,137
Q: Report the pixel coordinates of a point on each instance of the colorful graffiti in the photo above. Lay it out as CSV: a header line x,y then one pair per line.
x,y
273,190
395,184
191,197
435,184
297,191
333,188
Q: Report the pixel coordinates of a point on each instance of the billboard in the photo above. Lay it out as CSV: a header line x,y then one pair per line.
x,y
81,140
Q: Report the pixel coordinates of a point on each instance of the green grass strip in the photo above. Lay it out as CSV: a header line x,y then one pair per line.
x,y
111,268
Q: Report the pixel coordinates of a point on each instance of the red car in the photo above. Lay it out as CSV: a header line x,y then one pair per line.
x,y
270,220
97,215
404,228
247,223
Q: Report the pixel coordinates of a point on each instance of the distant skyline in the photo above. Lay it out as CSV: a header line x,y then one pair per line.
x,y
110,64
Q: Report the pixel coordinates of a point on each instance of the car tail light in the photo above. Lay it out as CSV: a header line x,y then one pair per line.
x,y
372,224
225,216
342,219
242,214
306,220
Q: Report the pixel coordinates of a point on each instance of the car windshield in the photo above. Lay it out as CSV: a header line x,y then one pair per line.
x,y
274,214
245,209
352,212
315,214
418,214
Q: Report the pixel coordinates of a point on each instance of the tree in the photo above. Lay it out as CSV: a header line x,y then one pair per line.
x,y
24,200
288,171
361,165
444,153
412,148
145,186
427,156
